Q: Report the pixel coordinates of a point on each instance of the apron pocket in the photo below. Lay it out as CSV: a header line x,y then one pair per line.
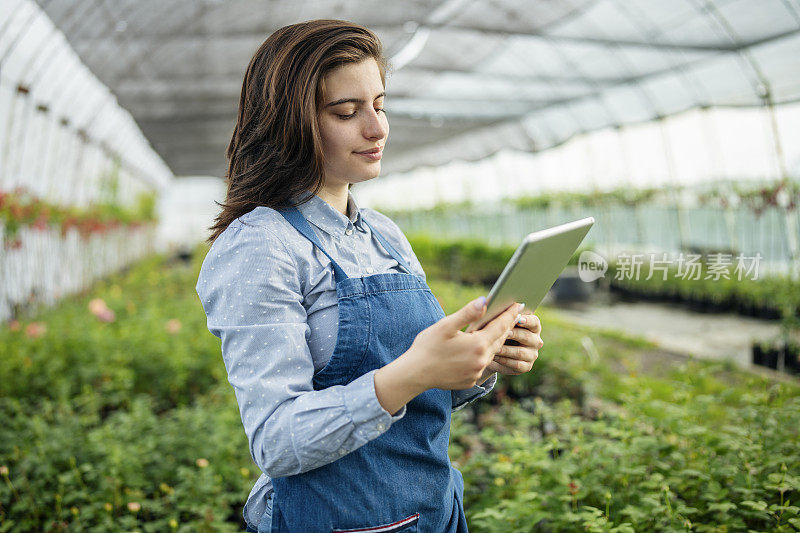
x,y
409,525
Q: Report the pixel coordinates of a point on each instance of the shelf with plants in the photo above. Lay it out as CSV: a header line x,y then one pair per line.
x,y
770,298
778,298
48,251
20,209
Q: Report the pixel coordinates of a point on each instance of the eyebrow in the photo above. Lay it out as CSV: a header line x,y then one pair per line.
x,y
356,100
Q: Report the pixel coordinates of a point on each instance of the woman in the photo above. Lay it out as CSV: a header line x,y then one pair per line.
x,y
344,365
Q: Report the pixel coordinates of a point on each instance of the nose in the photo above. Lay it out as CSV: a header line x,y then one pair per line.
x,y
376,126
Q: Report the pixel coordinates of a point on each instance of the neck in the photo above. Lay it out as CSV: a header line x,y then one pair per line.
x,y
336,196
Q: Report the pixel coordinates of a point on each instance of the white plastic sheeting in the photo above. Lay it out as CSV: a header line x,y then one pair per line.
x,y
692,148
186,210
60,127
62,136
48,266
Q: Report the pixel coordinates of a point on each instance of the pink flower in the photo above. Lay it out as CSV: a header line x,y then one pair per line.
x,y
35,329
173,326
99,309
106,315
97,305
14,325
202,463
134,506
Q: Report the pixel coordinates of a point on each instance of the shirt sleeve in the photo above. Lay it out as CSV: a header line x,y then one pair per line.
x,y
465,396
251,292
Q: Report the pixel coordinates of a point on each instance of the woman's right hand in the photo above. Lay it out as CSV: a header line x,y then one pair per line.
x,y
444,357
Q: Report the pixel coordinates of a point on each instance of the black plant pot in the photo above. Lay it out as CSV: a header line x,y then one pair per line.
x,y
792,358
771,358
767,313
697,304
745,308
758,354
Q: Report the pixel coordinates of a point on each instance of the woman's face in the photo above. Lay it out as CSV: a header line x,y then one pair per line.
x,y
351,120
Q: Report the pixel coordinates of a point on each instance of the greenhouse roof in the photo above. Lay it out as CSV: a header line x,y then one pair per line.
x,y
469,77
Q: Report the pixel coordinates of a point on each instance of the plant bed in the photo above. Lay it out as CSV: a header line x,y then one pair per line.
x,y
130,425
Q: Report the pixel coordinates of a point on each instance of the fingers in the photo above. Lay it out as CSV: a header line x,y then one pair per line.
x,y
531,322
504,322
514,366
465,316
526,338
515,360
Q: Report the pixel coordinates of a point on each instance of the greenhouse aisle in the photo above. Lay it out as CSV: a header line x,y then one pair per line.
x,y
676,329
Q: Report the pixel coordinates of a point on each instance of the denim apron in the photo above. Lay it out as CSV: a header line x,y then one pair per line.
x,y
402,480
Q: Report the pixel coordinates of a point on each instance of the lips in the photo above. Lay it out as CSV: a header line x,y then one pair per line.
x,y
371,151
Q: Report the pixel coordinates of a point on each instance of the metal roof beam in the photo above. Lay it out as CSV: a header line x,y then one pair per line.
x,y
189,38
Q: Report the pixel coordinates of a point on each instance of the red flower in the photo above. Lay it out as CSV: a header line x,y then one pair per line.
x,y
573,488
41,223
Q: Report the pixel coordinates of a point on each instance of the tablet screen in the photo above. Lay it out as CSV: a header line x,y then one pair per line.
x,y
534,268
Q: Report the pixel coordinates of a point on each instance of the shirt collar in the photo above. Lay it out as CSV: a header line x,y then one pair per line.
x,y
324,216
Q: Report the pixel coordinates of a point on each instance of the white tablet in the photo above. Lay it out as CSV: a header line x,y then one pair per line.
x,y
534,268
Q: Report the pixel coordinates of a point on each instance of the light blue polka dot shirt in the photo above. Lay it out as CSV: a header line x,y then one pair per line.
x,y
270,296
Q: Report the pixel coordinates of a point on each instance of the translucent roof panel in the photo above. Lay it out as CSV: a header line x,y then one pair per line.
x,y
470,77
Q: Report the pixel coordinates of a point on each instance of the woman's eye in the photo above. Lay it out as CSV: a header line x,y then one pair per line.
x,y
351,115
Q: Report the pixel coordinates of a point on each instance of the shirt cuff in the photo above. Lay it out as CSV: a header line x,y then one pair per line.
x,y
465,396
364,409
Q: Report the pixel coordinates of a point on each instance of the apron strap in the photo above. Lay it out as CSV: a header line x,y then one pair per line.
x,y
298,221
293,216
388,247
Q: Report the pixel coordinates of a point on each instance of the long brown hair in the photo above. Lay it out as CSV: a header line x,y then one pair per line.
x,y
275,152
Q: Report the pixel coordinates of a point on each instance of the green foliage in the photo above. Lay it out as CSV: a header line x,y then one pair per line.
x,y
122,425
653,465
598,445
626,196
129,424
468,261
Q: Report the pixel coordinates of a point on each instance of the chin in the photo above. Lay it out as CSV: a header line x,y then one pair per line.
x,y
372,174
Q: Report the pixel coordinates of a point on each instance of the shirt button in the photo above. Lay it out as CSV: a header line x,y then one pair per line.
x,y
348,231
380,427
370,270
342,451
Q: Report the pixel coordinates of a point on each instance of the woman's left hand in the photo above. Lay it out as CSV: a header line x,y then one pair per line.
x,y
515,360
